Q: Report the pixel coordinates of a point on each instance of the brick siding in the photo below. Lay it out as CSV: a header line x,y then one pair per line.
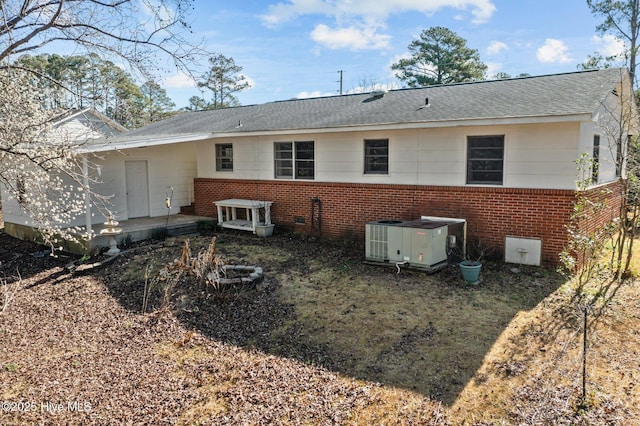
x,y
491,213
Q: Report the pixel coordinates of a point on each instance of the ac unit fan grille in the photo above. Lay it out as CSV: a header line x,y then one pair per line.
x,y
378,242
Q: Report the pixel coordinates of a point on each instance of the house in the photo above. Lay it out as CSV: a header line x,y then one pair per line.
x,y
137,180
79,127
500,154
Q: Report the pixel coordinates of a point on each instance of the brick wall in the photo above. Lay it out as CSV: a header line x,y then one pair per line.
x,y
610,198
491,213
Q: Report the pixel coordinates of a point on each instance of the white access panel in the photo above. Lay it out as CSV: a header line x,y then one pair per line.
x,y
525,251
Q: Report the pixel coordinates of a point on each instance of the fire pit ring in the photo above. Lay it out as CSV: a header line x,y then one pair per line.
x,y
241,275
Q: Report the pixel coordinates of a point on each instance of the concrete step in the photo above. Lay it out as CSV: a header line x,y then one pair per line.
x,y
182,229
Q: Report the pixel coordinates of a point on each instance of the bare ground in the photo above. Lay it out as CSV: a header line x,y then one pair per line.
x,y
322,340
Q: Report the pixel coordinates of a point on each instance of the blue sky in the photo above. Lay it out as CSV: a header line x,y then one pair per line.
x,y
295,48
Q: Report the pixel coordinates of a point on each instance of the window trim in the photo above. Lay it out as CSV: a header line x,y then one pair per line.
x,y
299,160
220,158
295,160
595,160
470,160
367,165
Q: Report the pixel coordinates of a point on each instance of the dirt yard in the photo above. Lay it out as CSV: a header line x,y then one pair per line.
x,y
324,339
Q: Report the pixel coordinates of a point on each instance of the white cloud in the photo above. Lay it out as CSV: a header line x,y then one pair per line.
x,y
496,47
314,94
481,10
553,51
358,22
251,81
493,68
180,80
349,38
609,45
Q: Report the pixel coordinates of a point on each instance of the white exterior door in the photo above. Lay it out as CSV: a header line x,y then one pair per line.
x,y
137,188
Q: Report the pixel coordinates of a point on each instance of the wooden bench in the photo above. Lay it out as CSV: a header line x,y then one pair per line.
x,y
228,215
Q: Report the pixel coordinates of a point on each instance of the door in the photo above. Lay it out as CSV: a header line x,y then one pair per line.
x,y
137,188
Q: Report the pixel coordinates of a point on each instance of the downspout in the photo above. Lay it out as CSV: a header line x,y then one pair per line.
x,y
87,198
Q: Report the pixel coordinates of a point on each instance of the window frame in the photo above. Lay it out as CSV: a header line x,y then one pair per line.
x,y
595,160
476,159
294,160
221,157
371,158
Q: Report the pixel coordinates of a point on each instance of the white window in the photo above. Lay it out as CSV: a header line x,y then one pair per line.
x,y
294,160
376,156
224,157
485,160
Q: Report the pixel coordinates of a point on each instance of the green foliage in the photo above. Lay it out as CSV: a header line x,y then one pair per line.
x,y
580,258
596,62
223,80
126,241
439,56
500,76
620,19
207,226
76,81
159,234
157,105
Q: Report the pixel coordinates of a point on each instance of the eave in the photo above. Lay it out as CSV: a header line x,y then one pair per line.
x,y
159,140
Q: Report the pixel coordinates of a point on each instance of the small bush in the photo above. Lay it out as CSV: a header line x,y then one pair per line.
x,y
207,226
159,234
126,241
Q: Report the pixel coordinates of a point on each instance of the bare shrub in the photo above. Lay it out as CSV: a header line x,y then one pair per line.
x,y
9,291
206,268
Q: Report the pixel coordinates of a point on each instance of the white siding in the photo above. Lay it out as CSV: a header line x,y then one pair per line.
x,y
536,155
11,211
608,120
542,156
169,166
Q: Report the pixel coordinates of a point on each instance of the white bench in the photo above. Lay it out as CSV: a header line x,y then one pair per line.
x,y
228,217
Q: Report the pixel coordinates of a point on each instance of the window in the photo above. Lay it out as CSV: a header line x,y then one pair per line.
x,y
485,159
304,160
376,156
224,157
595,162
294,159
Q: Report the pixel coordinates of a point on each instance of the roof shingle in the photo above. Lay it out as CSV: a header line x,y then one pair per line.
x,y
550,95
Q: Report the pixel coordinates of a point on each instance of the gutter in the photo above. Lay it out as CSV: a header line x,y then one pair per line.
x,y
143,142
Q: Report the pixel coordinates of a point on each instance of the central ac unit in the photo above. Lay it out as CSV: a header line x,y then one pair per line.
x,y
426,243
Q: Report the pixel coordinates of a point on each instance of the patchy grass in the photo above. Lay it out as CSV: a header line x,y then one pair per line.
x,y
325,339
411,331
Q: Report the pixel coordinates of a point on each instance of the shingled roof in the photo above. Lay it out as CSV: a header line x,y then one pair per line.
x,y
541,96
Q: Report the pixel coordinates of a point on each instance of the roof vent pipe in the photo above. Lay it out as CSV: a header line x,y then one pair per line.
x,y
426,104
